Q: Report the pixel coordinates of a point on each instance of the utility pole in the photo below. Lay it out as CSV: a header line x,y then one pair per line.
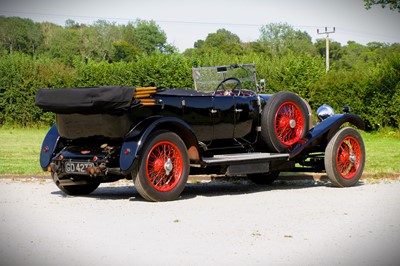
x,y
327,44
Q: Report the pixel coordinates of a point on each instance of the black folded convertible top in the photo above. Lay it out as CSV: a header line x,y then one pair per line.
x,y
87,100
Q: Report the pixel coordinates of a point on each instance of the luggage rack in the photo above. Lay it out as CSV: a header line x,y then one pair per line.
x,y
144,94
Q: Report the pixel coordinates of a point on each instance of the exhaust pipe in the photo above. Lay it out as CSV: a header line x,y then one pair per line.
x,y
68,182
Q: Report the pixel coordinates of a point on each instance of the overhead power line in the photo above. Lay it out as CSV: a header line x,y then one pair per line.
x,y
155,20
392,37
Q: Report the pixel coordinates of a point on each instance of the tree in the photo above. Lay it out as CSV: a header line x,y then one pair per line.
x,y
97,40
354,56
223,40
17,34
62,43
198,44
70,23
149,37
335,49
281,36
221,37
393,4
124,51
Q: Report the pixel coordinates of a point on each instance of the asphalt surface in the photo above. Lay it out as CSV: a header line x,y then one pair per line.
x,y
213,223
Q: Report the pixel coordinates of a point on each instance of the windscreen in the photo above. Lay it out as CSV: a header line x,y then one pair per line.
x,y
206,79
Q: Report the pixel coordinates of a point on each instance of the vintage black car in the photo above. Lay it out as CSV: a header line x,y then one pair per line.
x,y
157,137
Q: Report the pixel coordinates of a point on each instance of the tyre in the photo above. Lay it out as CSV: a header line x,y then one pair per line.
x,y
345,157
263,179
284,121
76,190
163,167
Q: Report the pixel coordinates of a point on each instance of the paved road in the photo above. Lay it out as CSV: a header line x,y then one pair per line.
x,y
214,223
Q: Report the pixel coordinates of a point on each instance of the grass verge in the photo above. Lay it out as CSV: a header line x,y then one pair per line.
x,y
20,148
382,154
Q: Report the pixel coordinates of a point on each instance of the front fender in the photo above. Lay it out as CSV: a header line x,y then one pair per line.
x,y
135,139
324,131
48,147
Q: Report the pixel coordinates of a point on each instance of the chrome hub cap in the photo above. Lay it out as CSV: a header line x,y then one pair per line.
x,y
353,158
168,167
292,123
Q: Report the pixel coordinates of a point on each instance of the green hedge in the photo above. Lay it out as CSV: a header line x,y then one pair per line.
x,y
20,77
373,93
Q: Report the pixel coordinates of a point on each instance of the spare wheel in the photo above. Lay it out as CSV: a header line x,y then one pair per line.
x,y
284,121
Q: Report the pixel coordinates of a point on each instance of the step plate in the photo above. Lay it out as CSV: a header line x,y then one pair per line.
x,y
242,158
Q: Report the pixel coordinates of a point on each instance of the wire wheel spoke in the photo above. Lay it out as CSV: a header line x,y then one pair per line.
x,y
164,166
289,123
348,157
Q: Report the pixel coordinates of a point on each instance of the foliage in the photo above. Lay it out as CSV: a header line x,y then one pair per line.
x,y
340,88
335,49
294,72
159,70
279,37
99,41
393,4
149,36
124,51
373,93
383,95
17,34
34,55
168,71
20,76
222,40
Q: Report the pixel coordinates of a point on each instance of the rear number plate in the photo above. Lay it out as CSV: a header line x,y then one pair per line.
x,y
77,167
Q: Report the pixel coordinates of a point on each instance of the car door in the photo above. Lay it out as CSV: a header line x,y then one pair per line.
x,y
197,112
235,117
223,116
246,117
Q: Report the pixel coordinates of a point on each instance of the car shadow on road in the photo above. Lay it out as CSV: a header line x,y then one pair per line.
x,y
210,188
238,186
106,192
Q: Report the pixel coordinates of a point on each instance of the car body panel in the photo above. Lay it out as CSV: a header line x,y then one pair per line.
x,y
324,131
211,124
136,138
48,147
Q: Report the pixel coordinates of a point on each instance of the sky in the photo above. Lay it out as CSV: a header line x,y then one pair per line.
x,y
186,21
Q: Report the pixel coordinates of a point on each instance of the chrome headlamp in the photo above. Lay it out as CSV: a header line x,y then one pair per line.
x,y
325,111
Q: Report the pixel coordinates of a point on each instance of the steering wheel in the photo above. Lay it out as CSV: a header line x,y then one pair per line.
x,y
224,89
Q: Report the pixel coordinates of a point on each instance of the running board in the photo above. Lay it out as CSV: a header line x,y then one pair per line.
x,y
244,158
246,163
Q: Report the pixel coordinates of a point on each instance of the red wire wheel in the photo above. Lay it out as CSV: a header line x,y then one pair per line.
x,y
163,167
348,157
345,157
289,123
284,121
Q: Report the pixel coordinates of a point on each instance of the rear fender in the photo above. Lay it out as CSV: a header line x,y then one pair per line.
x,y
136,138
324,131
49,146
